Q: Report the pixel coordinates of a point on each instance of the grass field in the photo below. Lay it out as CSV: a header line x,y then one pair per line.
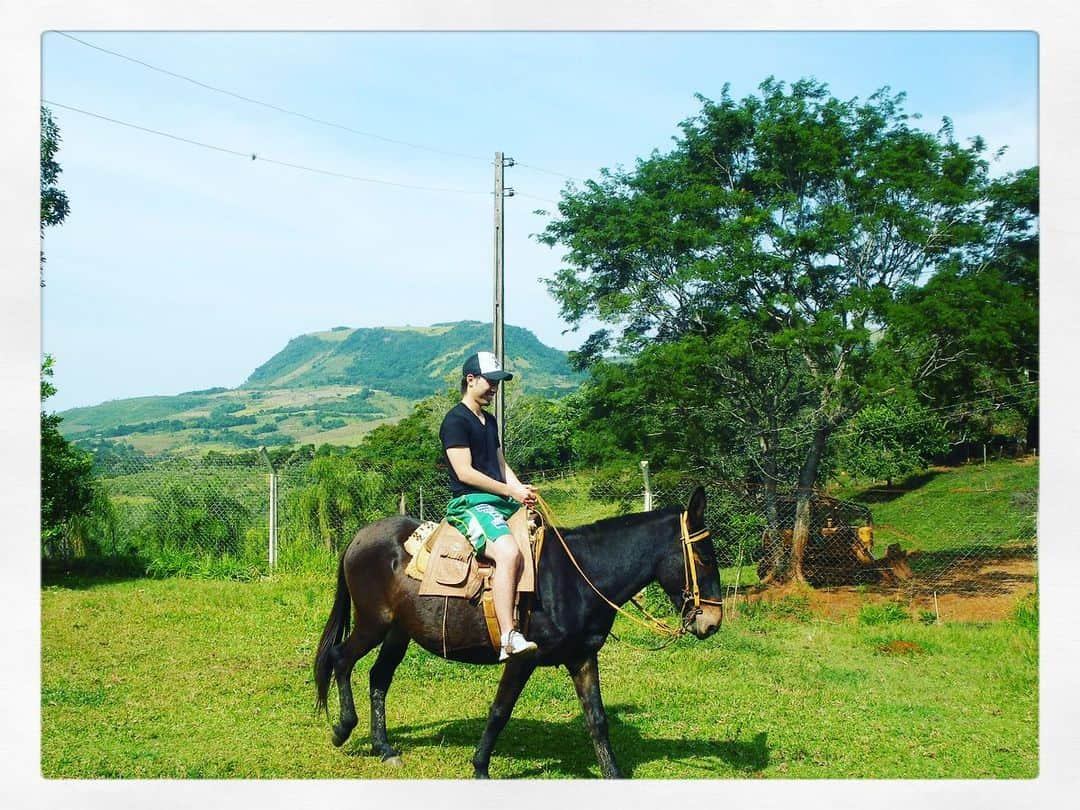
x,y
992,504
179,678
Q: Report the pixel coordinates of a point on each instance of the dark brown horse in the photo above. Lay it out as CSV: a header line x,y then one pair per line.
x,y
570,620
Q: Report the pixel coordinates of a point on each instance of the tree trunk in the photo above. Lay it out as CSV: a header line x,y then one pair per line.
x,y
803,497
783,562
774,557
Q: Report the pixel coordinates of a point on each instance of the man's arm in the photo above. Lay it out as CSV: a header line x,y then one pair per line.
x,y
511,478
461,460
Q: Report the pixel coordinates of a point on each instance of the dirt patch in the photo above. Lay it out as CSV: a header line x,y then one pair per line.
x,y
979,588
900,648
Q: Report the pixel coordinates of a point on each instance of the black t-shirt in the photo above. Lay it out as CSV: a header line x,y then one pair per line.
x,y
461,428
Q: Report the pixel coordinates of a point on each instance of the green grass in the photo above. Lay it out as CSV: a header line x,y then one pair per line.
x,y
883,614
956,507
212,679
571,503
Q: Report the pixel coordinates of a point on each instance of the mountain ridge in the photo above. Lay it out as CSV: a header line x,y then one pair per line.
x,y
412,359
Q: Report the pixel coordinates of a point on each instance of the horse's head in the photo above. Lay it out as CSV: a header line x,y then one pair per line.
x,y
688,572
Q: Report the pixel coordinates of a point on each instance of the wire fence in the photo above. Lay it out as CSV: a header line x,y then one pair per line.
x,y
975,541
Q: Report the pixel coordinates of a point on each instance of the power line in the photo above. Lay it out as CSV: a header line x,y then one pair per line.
x,y
301,115
533,196
304,116
146,129
256,156
273,106
548,171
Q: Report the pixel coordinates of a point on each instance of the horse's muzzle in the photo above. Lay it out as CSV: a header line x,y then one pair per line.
x,y
707,621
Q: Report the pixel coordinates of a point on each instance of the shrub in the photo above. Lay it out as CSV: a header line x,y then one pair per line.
x,y
1026,613
197,518
172,562
885,613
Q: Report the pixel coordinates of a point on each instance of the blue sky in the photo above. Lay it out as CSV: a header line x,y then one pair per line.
x,y
182,267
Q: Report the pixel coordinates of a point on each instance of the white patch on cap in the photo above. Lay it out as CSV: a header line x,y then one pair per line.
x,y
488,362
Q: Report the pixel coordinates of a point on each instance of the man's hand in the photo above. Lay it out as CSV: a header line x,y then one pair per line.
x,y
523,493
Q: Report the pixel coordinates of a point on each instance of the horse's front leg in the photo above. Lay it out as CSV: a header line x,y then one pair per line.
x,y
515,675
586,675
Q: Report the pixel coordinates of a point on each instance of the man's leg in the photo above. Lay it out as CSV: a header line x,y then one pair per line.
x,y
487,530
504,552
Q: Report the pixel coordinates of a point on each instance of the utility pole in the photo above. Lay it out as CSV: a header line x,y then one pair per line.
x,y
500,350
272,551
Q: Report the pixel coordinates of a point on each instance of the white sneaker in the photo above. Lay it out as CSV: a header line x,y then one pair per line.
x,y
515,645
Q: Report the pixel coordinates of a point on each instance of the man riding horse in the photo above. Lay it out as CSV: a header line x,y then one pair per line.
x,y
485,490
580,583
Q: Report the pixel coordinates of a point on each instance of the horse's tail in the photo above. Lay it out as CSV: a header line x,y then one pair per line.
x,y
337,628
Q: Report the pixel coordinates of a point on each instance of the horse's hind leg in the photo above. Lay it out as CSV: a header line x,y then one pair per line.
x,y
343,658
390,655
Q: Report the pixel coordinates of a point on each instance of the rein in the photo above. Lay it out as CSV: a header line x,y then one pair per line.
x,y
691,591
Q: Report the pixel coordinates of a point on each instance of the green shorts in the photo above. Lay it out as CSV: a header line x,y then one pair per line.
x,y
481,517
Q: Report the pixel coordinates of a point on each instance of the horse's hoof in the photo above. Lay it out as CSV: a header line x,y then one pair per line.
x,y
338,738
480,775
393,761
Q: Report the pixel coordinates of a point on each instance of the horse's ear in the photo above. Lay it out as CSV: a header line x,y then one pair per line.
x,y
696,510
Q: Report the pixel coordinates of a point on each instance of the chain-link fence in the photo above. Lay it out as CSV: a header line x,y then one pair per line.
x,y
980,539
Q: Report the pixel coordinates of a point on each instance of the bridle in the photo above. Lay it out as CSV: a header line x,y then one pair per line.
x,y
691,590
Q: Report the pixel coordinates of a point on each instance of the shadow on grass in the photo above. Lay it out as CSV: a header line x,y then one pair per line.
x,y
543,748
962,570
882,494
91,572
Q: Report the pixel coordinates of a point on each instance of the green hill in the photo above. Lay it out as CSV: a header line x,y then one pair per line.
x,y
325,387
413,362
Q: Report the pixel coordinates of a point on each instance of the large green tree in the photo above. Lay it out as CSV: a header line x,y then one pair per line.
x,y
538,433
967,339
787,222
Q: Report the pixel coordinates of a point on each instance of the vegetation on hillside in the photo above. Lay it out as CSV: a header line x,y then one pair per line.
x,y
410,362
330,387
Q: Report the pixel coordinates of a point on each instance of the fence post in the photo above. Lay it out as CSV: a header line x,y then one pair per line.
x,y
648,489
272,551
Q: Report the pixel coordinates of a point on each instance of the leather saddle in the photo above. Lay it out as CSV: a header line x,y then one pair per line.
x,y
444,561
